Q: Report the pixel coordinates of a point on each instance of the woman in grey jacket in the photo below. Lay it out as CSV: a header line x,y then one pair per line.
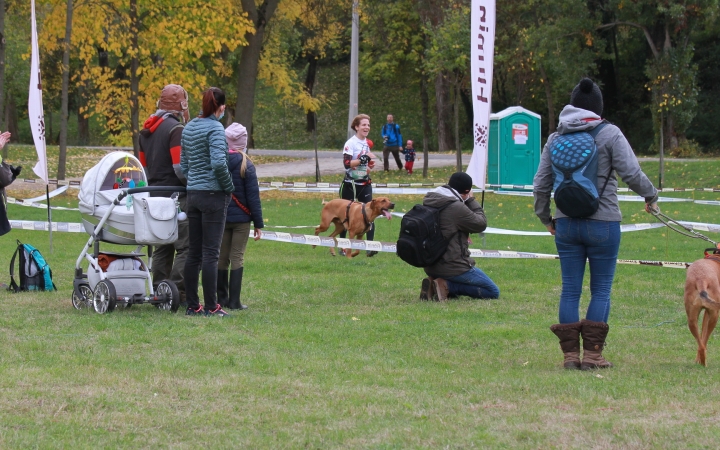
x,y
595,238
204,161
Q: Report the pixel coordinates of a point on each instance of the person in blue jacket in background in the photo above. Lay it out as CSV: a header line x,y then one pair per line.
x,y
392,141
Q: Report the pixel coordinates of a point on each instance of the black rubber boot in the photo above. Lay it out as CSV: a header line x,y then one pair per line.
x,y
236,276
222,288
569,335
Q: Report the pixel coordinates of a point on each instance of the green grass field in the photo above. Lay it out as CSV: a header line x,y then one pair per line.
x,y
337,353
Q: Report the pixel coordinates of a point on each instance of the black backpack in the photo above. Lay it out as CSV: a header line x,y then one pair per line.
x,y
421,242
34,272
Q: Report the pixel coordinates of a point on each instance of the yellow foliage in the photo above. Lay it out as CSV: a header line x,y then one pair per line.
x,y
175,37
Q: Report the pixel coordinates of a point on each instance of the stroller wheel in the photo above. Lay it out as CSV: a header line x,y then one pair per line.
x,y
82,297
104,297
167,292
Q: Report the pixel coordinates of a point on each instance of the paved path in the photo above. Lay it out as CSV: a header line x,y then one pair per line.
x,y
330,163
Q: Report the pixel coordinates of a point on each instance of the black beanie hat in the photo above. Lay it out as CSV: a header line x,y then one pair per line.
x,y
461,182
587,95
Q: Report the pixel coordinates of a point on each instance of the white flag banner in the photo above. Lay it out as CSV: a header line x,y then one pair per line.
x,y
482,50
35,105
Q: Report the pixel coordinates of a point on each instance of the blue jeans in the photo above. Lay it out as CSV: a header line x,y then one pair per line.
x,y
206,211
473,283
597,241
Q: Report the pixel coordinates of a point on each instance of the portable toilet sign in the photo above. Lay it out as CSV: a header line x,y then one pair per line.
x,y
513,146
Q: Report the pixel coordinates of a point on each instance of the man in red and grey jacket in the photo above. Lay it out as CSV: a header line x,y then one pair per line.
x,y
160,156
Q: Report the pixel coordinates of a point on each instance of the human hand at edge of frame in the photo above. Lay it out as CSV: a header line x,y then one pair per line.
x,y
652,208
371,164
551,226
4,138
257,234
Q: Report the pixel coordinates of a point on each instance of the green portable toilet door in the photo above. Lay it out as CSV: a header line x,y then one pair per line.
x,y
517,152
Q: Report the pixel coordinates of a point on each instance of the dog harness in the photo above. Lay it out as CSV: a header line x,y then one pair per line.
x,y
346,222
713,253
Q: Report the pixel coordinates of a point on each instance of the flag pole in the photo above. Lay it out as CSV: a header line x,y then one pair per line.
x,y
49,215
37,116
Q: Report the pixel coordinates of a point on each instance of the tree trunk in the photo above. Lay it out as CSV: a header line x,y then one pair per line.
x,y
134,78
83,120
552,126
11,119
309,85
456,107
425,102
249,61
62,158
671,135
2,63
443,108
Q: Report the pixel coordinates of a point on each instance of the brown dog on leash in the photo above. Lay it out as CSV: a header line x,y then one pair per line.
x,y
355,217
702,292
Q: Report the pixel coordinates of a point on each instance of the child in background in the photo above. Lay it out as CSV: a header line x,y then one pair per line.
x,y
409,153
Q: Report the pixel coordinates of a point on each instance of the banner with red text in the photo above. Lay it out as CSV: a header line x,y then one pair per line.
x,y
482,49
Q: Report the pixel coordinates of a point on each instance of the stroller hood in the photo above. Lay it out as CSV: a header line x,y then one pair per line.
x,y
115,167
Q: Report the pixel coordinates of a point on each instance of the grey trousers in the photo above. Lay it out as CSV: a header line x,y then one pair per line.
x,y
234,242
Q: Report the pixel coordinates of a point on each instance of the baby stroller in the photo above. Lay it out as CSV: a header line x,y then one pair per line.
x,y
116,208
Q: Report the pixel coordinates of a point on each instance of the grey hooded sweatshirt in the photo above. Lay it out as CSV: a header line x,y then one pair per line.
x,y
615,157
457,221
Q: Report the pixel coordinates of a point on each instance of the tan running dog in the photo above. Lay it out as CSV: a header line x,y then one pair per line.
x,y
355,217
702,292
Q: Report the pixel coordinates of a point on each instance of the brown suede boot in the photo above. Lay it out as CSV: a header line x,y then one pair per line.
x,y
441,290
593,335
427,289
569,335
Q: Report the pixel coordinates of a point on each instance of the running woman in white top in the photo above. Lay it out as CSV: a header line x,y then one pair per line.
x,y
358,162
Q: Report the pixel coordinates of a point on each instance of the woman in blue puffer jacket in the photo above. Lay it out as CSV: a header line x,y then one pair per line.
x,y
244,208
204,161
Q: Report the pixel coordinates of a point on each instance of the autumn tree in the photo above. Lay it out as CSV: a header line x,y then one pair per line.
x,y
127,47
667,27
395,36
249,62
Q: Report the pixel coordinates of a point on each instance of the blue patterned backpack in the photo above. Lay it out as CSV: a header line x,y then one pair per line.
x,y
574,158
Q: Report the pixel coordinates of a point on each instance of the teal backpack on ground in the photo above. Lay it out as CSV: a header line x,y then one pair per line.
x,y
574,158
34,272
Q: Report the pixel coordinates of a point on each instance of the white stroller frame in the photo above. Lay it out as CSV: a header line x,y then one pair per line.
x,y
103,290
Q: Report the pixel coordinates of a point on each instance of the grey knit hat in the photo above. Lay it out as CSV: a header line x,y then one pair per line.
x,y
587,96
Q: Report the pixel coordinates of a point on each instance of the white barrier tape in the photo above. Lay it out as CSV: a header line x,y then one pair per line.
x,y
16,201
622,198
708,202
715,228
283,226
35,225
389,247
355,244
50,194
301,184
623,228
669,264
71,183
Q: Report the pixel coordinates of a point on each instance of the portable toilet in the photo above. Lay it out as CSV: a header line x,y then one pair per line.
x,y
513,146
